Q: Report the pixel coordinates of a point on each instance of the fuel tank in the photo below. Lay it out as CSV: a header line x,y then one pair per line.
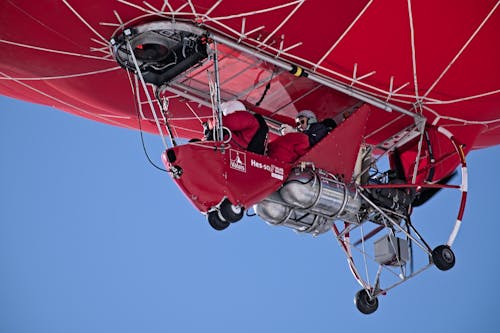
x,y
309,201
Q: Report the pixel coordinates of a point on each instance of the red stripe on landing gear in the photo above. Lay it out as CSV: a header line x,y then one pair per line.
x,y
464,171
352,267
462,206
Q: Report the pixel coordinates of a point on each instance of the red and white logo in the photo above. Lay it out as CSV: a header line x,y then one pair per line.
x,y
237,160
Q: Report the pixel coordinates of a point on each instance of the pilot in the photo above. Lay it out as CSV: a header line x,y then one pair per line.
x,y
308,124
295,142
248,131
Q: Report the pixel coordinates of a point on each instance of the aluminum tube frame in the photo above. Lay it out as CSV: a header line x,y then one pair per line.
x,y
182,91
319,79
159,25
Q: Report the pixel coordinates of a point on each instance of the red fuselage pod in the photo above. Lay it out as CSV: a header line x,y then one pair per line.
x,y
208,171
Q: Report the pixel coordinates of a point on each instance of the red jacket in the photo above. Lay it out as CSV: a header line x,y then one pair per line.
x,y
243,126
288,148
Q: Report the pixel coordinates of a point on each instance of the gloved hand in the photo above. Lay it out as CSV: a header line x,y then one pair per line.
x,y
285,129
206,127
208,130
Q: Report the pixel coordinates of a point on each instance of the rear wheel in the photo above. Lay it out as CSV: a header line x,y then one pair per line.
x,y
365,303
216,222
443,257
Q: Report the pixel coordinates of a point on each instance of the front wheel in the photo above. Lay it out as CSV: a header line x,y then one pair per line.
x,y
216,222
443,257
365,303
230,212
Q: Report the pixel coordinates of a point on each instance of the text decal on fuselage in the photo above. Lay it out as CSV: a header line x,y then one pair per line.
x,y
238,160
276,172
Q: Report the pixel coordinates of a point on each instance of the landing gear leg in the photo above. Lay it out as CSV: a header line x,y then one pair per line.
x,y
365,303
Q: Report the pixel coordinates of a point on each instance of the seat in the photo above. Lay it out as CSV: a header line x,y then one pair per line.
x,y
258,143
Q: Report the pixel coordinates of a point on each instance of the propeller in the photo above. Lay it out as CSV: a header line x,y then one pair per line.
x,y
421,197
426,194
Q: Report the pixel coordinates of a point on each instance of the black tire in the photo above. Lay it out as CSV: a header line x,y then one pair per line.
x,y
364,303
230,212
216,222
443,257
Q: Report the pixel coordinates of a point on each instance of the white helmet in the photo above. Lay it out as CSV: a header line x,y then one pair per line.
x,y
232,106
309,115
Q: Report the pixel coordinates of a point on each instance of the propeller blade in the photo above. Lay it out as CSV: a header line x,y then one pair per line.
x,y
427,193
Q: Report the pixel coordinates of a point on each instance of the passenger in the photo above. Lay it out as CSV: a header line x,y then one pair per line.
x,y
289,147
308,124
295,142
248,131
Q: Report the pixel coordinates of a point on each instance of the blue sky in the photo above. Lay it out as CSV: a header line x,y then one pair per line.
x,y
94,239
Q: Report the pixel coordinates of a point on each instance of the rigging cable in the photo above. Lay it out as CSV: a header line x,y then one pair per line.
x,y
163,104
140,127
432,160
268,86
144,146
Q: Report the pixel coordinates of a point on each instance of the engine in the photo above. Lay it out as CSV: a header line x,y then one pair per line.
x,y
309,201
161,50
